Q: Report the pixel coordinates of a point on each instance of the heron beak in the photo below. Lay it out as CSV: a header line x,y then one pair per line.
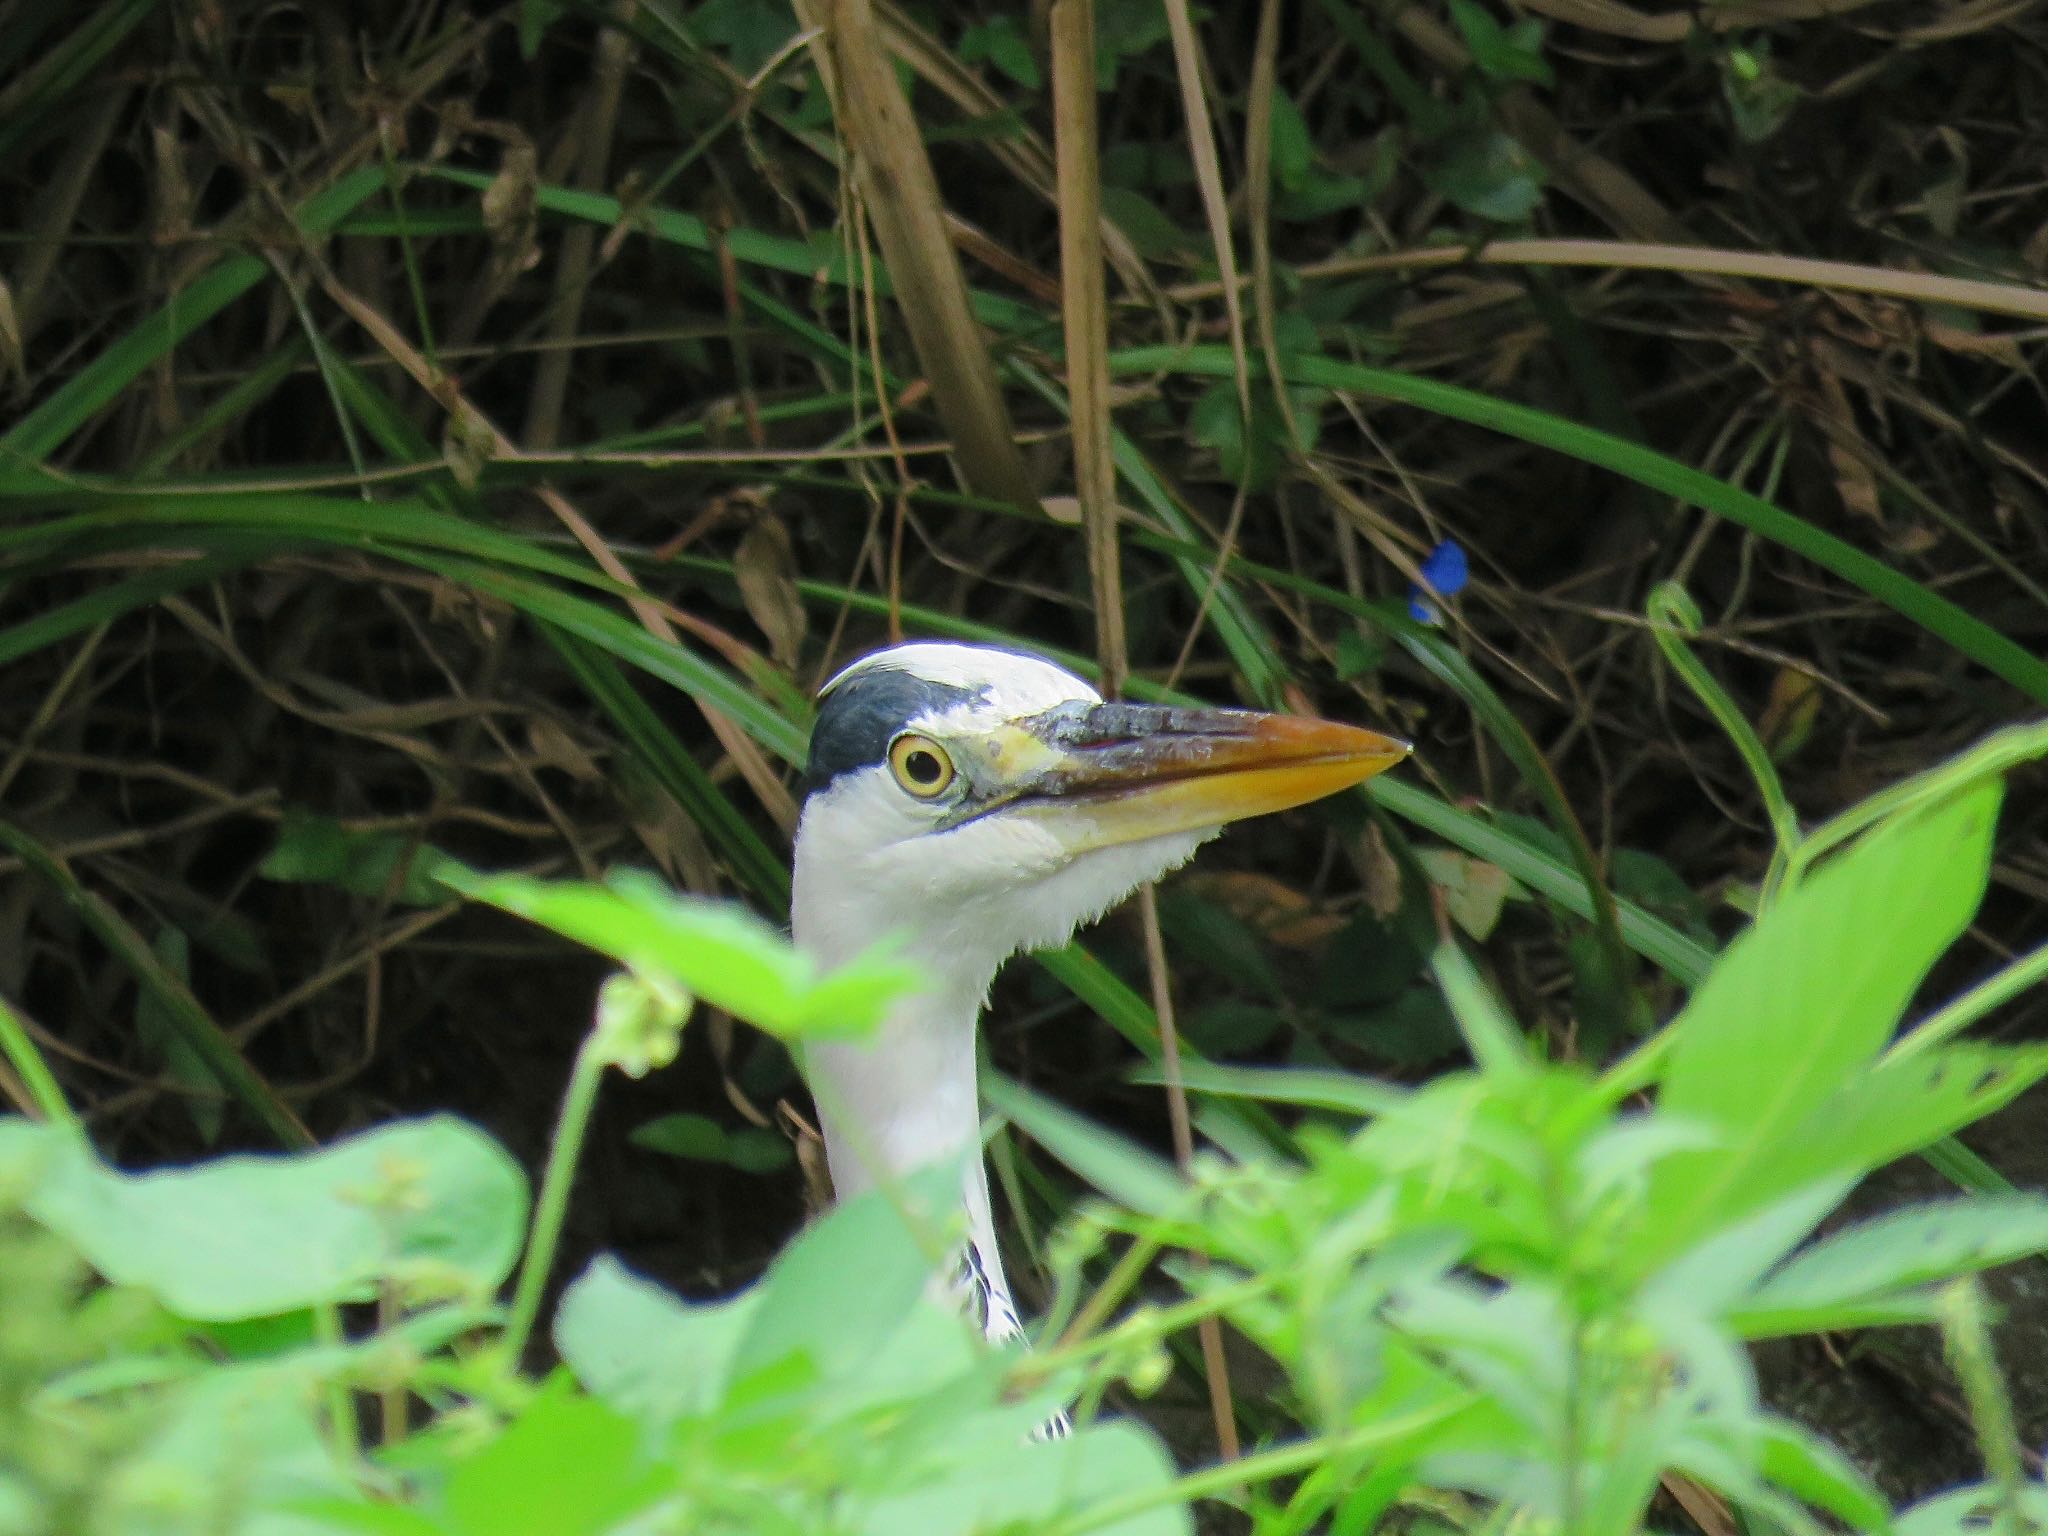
x,y
1118,773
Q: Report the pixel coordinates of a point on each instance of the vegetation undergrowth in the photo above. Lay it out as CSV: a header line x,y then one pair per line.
x,y
478,425
1517,1295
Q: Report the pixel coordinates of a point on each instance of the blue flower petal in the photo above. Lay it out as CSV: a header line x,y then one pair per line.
x,y
1446,572
1445,569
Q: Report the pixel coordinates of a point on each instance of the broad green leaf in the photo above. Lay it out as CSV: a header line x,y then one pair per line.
x,y
833,1301
237,1451
720,953
432,1204
1801,1004
1110,1478
566,1466
643,1349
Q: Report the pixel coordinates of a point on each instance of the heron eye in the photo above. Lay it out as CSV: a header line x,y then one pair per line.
x,y
921,766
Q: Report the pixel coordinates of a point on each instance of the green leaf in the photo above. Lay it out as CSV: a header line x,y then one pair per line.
x,y
1806,1466
1896,1252
644,1350
834,1300
1345,1092
753,31
535,17
1486,171
204,1096
718,952
1759,98
1502,53
318,850
1293,147
702,1139
1972,1511
1906,1103
432,1204
1121,1169
1251,453
566,1466
1799,1006
240,1443
1109,1478
1002,43
1496,1044
1152,232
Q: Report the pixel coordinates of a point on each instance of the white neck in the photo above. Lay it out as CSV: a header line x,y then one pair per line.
x,y
906,1097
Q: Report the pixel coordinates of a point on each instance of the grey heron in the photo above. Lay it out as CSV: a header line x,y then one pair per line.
x,y
974,802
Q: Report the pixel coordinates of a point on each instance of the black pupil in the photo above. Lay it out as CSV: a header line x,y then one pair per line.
x,y
922,766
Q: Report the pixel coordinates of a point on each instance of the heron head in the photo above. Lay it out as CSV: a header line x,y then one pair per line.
x,y
986,800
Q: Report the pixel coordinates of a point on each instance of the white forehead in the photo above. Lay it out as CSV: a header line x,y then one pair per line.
x,y
1016,682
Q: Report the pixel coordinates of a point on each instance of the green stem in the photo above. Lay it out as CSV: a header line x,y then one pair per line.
x,y
1261,1467
1967,1333
553,1204
35,1073
1960,1013
1674,617
341,1405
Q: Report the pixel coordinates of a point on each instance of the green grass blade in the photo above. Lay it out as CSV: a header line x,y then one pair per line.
x,y
760,869
69,64
119,597
192,1022
70,407
34,1072
1936,614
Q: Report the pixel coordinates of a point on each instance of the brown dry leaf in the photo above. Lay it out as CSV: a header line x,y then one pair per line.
x,y
1954,338
810,1154
13,353
1789,713
1914,539
1847,450
674,842
554,747
171,187
766,568
1708,1509
510,208
1065,510
1273,909
1382,874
